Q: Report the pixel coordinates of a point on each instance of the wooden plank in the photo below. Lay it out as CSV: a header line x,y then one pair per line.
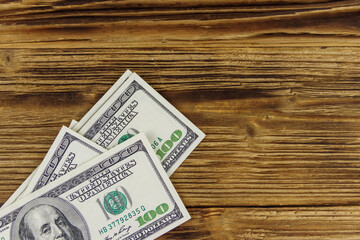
x,y
315,223
61,23
282,129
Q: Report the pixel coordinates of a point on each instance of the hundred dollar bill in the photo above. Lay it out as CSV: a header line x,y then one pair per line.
x,y
68,151
102,100
72,124
19,191
137,107
122,194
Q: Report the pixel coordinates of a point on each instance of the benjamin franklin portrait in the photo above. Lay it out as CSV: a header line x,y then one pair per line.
x,y
46,222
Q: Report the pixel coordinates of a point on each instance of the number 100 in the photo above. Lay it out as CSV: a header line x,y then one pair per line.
x,y
168,144
151,215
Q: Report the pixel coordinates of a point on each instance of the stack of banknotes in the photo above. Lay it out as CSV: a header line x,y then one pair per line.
x,y
106,177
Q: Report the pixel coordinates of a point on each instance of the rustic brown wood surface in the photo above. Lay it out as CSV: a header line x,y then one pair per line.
x,y
275,85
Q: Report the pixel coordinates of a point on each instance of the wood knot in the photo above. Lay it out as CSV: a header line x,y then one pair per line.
x,y
7,59
250,130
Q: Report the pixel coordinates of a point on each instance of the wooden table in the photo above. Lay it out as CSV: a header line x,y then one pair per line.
x,y
275,85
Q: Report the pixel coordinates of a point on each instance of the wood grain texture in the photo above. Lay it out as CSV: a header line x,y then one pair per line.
x,y
274,85
275,223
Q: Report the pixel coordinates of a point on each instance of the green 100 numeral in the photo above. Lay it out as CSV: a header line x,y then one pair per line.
x,y
168,144
151,215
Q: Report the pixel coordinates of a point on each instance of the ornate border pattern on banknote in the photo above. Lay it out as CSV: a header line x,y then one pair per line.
x,y
169,161
59,153
152,228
